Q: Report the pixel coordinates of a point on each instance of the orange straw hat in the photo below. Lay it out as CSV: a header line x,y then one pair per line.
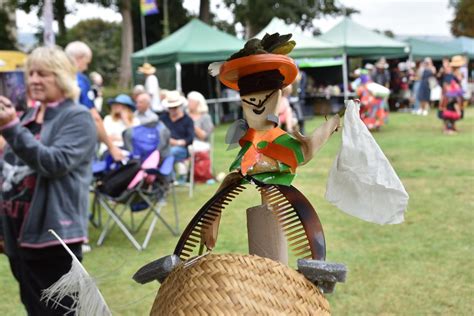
x,y
233,70
261,62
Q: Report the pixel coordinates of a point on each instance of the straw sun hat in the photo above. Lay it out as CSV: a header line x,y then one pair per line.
x,y
173,99
457,61
147,69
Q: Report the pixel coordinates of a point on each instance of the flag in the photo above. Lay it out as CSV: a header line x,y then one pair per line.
x,y
148,7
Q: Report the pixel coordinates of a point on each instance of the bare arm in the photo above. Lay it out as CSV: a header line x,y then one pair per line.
x,y
200,133
2,143
102,134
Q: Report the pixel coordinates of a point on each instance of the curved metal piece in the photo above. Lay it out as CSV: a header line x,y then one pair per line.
x,y
294,212
202,229
298,219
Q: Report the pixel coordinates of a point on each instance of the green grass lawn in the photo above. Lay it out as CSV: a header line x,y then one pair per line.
x,y
421,267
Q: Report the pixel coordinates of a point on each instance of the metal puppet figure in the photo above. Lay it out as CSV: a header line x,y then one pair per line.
x,y
268,159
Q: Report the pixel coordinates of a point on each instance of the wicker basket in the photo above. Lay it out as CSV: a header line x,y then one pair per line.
x,y
232,284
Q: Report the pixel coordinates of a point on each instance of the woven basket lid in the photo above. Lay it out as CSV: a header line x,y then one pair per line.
x,y
233,284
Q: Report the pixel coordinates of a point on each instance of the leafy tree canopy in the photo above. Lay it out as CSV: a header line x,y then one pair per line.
x,y
463,22
178,16
7,41
104,40
254,15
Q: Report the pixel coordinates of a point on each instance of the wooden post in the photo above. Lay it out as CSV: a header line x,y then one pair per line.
x,y
265,236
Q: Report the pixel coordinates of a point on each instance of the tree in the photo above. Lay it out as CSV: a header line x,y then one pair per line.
x,y
59,10
387,33
125,9
127,44
210,18
254,15
463,22
204,11
154,27
7,27
104,40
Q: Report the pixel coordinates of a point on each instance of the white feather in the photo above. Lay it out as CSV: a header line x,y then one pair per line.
x,y
78,285
215,68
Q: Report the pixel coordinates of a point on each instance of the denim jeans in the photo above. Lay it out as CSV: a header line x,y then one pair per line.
x,y
179,153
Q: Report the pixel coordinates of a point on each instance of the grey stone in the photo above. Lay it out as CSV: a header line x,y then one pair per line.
x,y
323,274
157,270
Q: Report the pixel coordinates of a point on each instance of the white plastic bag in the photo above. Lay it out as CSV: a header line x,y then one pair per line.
x,y
435,93
361,181
378,90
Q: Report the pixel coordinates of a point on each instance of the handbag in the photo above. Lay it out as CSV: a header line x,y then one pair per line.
x,y
202,167
432,82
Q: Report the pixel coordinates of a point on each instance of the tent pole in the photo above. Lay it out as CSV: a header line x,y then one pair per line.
x,y
177,67
345,76
143,29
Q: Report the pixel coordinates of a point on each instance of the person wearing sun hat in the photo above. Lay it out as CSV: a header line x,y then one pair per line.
x,y
181,127
121,117
451,109
459,64
380,74
152,86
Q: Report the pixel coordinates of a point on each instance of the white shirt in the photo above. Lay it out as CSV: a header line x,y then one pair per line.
x,y
153,88
116,128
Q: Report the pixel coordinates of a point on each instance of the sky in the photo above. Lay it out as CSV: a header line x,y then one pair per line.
x,y
403,17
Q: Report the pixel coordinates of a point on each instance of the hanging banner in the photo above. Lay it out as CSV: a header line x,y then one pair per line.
x,y
148,7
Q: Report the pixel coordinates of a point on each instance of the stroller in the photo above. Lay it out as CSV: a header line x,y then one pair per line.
x,y
142,185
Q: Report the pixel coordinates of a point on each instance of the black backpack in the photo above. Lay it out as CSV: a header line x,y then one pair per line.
x,y
115,182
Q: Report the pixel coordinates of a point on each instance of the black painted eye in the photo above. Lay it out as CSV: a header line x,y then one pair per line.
x,y
252,99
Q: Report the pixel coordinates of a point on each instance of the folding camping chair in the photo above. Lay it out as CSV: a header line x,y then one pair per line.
x,y
191,161
148,185
189,183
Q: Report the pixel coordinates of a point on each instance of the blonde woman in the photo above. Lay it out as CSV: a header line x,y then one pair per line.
x,y
120,118
45,177
203,126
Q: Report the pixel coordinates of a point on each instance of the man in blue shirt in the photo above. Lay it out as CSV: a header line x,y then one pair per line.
x,y
81,54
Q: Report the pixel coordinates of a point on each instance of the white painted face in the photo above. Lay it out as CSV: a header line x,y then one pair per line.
x,y
258,105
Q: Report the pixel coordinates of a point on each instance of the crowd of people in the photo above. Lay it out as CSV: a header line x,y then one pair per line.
x,y
47,151
417,85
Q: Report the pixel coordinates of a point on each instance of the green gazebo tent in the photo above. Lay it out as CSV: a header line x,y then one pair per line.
x,y
195,42
358,41
465,44
306,46
420,49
